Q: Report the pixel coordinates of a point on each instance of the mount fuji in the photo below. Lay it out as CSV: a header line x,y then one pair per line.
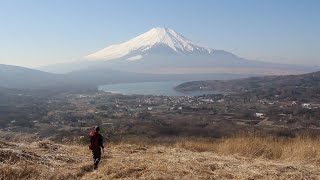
x,y
164,51
149,43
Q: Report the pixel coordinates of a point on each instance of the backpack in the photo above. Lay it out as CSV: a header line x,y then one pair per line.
x,y
93,135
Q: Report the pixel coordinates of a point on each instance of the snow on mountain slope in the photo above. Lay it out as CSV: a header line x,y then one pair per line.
x,y
153,38
135,58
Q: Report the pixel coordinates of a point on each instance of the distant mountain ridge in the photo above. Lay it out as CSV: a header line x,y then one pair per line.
x,y
160,54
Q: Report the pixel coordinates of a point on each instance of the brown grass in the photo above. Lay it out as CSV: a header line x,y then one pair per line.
x,y
42,160
296,149
245,157
125,161
22,171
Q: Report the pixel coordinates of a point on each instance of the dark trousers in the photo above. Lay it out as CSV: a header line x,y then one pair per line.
x,y
96,154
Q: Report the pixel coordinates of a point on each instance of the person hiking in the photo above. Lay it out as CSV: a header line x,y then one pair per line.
x,y
96,145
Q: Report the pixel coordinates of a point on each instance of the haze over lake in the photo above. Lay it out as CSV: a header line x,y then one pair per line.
x,y
150,88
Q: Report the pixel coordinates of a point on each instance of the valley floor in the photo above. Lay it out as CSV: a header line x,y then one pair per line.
x,y
47,160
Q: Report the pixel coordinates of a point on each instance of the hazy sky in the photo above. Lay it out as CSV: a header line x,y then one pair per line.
x,y
34,33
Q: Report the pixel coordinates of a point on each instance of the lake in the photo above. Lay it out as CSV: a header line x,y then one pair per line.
x,y
150,88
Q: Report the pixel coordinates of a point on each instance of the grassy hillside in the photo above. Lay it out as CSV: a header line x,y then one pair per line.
x,y
233,158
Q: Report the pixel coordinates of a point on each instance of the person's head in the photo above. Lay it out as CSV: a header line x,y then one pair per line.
x,y
97,128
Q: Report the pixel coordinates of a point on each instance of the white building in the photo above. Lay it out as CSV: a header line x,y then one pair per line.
x,y
260,115
306,105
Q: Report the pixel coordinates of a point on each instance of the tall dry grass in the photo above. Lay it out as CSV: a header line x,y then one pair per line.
x,y
23,171
43,160
243,157
294,149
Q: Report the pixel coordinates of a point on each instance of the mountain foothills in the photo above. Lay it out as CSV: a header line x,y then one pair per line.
x,y
19,77
305,87
25,78
164,51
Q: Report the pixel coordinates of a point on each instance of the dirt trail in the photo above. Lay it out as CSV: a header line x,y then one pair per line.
x,y
159,162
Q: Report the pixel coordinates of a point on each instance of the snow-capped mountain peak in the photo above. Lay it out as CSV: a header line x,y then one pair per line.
x,y
153,38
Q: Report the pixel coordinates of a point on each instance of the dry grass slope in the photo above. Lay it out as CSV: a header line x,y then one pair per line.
x,y
304,149
42,160
174,163
233,158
